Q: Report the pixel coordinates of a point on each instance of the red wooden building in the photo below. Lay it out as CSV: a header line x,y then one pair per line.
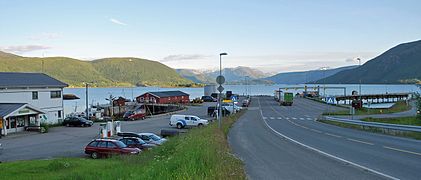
x,y
164,97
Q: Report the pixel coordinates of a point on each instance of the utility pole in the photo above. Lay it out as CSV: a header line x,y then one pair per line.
x,y
87,101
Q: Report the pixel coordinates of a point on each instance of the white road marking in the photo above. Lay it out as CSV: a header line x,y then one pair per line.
x,y
334,135
264,117
272,118
301,118
280,118
294,118
360,141
309,119
287,118
401,150
322,152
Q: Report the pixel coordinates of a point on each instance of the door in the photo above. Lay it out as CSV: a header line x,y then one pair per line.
x,y
189,122
112,148
102,148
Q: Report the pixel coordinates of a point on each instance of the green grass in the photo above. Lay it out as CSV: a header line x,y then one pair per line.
x,y
198,154
401,120
408,134
103,72
399,106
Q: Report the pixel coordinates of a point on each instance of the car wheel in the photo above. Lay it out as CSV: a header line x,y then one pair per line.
x,y
143,118
94,155
67,125
82,125
179,126
200,125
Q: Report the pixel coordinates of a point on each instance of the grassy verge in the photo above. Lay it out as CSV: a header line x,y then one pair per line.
x,y
199,154
414,135
413,120
400,106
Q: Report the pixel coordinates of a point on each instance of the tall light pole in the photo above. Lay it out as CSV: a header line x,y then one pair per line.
x,y
220,92
324,80
359,65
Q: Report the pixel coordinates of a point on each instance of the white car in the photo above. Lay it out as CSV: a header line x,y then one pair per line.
x,y
182,121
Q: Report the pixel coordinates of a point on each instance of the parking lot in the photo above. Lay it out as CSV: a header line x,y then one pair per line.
x,y
70,141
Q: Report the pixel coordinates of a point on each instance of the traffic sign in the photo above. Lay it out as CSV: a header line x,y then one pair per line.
x,y
220,88
330,100
220,80
233,98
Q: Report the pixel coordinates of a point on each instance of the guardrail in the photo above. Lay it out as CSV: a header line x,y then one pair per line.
x,y
375,124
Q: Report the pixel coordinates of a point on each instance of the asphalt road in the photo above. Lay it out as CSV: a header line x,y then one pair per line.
x,y
70,141
278,142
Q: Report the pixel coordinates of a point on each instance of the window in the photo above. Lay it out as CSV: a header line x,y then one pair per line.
x,y
55,94
111,145
102,144
93,144
59,114
34,95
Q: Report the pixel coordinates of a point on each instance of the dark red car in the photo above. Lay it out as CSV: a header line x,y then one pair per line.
x,y
131,116
107,147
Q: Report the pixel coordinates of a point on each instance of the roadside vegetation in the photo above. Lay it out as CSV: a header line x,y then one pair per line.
x,y
202,153
414,135
399,106
413,120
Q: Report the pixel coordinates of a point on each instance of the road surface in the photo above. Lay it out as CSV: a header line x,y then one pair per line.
x,y
278,142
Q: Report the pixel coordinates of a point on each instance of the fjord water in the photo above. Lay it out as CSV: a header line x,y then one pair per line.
x,y
98,95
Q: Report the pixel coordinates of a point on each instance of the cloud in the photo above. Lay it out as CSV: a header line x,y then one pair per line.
x,y
45,36
183,57
116,21
23,48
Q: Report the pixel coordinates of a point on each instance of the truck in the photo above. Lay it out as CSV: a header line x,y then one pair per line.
x,y
182,121
286,98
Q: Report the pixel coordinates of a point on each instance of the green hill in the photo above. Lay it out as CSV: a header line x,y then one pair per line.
x,y
400,64
103,72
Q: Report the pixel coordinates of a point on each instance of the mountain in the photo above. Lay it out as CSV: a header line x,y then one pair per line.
x,y
304,76
103,72
235,75
195,76
400,64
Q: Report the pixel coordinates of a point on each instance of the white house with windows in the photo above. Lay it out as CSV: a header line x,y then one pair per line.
x,y
29,99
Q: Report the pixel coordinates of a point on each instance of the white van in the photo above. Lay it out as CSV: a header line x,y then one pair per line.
x,y
182,121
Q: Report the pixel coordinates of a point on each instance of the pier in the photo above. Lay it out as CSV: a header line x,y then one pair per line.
x,y
374,98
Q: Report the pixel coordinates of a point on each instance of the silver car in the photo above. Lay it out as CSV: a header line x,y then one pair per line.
x,y
152,138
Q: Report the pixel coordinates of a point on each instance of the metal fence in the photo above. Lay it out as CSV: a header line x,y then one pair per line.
x,y
375,124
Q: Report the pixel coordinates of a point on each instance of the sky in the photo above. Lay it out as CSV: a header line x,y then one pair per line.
x,y
271,35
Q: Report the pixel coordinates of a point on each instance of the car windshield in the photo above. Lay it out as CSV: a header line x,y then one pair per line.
x,y
141,141
155,137
120,144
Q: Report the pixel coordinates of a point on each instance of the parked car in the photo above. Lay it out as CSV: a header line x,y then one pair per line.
x,y
107,147
1,148
246,103
147,137
131,115
208,99
135,142
152,138
182,121
77,121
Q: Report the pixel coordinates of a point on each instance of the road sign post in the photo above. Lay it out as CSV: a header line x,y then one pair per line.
x,y
220,80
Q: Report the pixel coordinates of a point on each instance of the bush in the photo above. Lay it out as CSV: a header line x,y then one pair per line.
x,y
44,127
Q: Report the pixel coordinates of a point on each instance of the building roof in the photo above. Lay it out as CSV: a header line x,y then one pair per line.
x,y
25,80
7,109
162,94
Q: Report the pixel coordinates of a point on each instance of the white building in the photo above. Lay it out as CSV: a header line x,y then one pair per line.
x,y
28,99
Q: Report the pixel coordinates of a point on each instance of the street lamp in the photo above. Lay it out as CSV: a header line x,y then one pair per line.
x,y
87,99
324,79
220,92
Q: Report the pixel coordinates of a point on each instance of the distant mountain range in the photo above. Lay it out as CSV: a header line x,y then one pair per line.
x,y
126,71
232,75
400,64
305,76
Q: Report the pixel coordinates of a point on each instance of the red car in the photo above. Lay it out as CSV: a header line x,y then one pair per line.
x,y
131,115
107,147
